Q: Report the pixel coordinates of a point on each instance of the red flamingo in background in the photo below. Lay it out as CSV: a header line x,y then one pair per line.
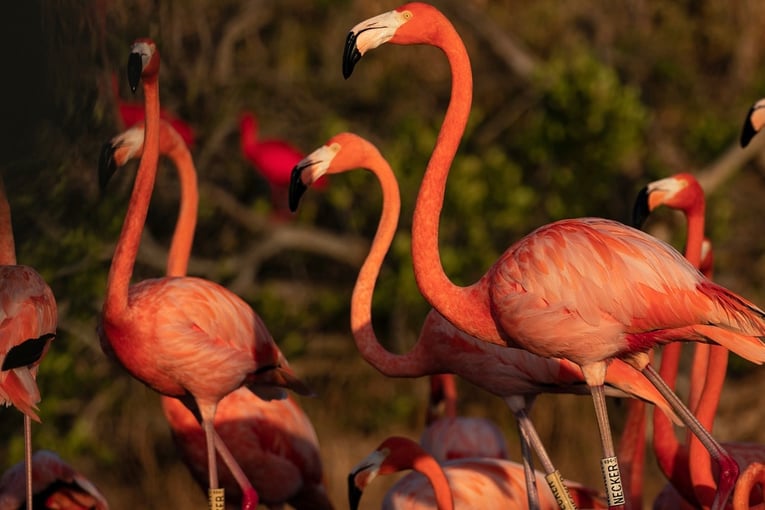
x,y
448,436
55,485
28,318
132,113
273,442
588,290
512,374
273,159
460,484
184,337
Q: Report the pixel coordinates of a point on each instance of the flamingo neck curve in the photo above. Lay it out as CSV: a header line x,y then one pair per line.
x,y
415,363
465,307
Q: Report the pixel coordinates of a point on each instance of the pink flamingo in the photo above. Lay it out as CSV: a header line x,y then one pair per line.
x,y
132,113
269,438
272,158
460,484
28,318
588,290
184,337
512,374
55,485
451,436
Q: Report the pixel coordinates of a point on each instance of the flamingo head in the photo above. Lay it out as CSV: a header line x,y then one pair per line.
x,y
412,23
753,122
364,472
393,455
342,152
681,191
143,62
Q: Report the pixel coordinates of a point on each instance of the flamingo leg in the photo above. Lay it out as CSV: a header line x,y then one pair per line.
x,y
609,464
728,468
217,497
530,438
249,494
28,458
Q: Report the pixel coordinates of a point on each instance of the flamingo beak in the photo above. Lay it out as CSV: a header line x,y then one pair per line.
x,y
641,210
134,70
351,55
107,166
354,491
297,186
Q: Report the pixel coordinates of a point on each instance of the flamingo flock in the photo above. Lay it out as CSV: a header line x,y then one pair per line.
x,y
578,306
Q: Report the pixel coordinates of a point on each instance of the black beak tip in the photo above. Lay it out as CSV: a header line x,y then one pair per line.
x,y
354,493
640,210
351,55
297,188
134,70
106,165
748,131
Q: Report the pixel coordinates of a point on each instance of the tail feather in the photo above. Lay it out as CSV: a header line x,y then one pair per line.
x,y
735,312
19,388
748,347
629,380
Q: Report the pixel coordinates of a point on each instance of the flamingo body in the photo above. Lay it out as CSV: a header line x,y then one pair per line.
x,y
55,485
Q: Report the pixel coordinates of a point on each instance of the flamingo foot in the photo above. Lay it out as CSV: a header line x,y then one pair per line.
x,y
250,499
729,471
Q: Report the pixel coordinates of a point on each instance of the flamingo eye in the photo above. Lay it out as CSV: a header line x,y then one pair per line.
x,y
407,15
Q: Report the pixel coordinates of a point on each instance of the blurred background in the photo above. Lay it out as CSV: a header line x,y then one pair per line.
x,y
576,107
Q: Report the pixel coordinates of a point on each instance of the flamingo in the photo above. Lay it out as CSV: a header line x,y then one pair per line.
x,y
271,438
456,484
513,374
132,113
451,436
273,159
28,319
588,290
56,484
183,337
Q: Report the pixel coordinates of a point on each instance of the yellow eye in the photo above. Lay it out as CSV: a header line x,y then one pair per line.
x,y
407,15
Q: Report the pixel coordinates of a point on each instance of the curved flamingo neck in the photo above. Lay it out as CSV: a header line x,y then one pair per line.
x,y
406,454
7,245
183,236
126,250
465,307
415,363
